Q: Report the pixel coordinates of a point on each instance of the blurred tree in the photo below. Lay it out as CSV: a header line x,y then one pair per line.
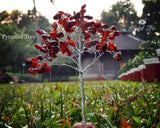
x,y
26,19
110,18
15,16
6,45
44,23
151,14
14,51
122,14
3,15
52,1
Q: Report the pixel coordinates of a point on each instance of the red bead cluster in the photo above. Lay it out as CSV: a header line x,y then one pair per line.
x,y
93,34
37,68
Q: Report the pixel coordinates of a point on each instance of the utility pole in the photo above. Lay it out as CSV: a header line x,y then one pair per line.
x,y
52,1
36,22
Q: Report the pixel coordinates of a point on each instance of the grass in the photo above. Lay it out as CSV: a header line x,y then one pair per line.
x,y
57,105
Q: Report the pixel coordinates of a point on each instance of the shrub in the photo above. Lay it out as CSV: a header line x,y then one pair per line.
x,y
26,77
147,50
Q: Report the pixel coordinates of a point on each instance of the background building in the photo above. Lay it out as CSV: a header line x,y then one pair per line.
x,y
106,67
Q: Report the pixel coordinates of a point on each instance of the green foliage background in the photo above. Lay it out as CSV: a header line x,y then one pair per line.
x,y
15,51
57,105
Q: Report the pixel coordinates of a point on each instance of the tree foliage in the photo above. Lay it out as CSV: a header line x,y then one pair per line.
x,y
122,14
151,14
17,34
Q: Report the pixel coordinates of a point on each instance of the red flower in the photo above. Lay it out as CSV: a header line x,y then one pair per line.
x,y
121,64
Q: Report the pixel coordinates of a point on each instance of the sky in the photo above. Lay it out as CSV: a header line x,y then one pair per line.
x,y
47,9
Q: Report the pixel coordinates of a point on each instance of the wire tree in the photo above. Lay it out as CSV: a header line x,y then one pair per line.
x,y
90,37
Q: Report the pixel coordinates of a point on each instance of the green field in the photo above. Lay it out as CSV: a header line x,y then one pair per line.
x,y
58,105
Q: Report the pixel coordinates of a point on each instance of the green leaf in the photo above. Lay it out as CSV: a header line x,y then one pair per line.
x,y
108,121
136,119
154,1
92,117
38,124
149,122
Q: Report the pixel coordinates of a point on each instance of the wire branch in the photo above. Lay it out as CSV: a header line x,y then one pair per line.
x,y
75,50
93,61
64,64
73,58
57,62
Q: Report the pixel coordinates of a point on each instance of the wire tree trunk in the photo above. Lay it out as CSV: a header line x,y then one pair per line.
x,y
82,89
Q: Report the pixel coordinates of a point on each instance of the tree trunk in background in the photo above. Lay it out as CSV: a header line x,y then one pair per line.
x,y
36,22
